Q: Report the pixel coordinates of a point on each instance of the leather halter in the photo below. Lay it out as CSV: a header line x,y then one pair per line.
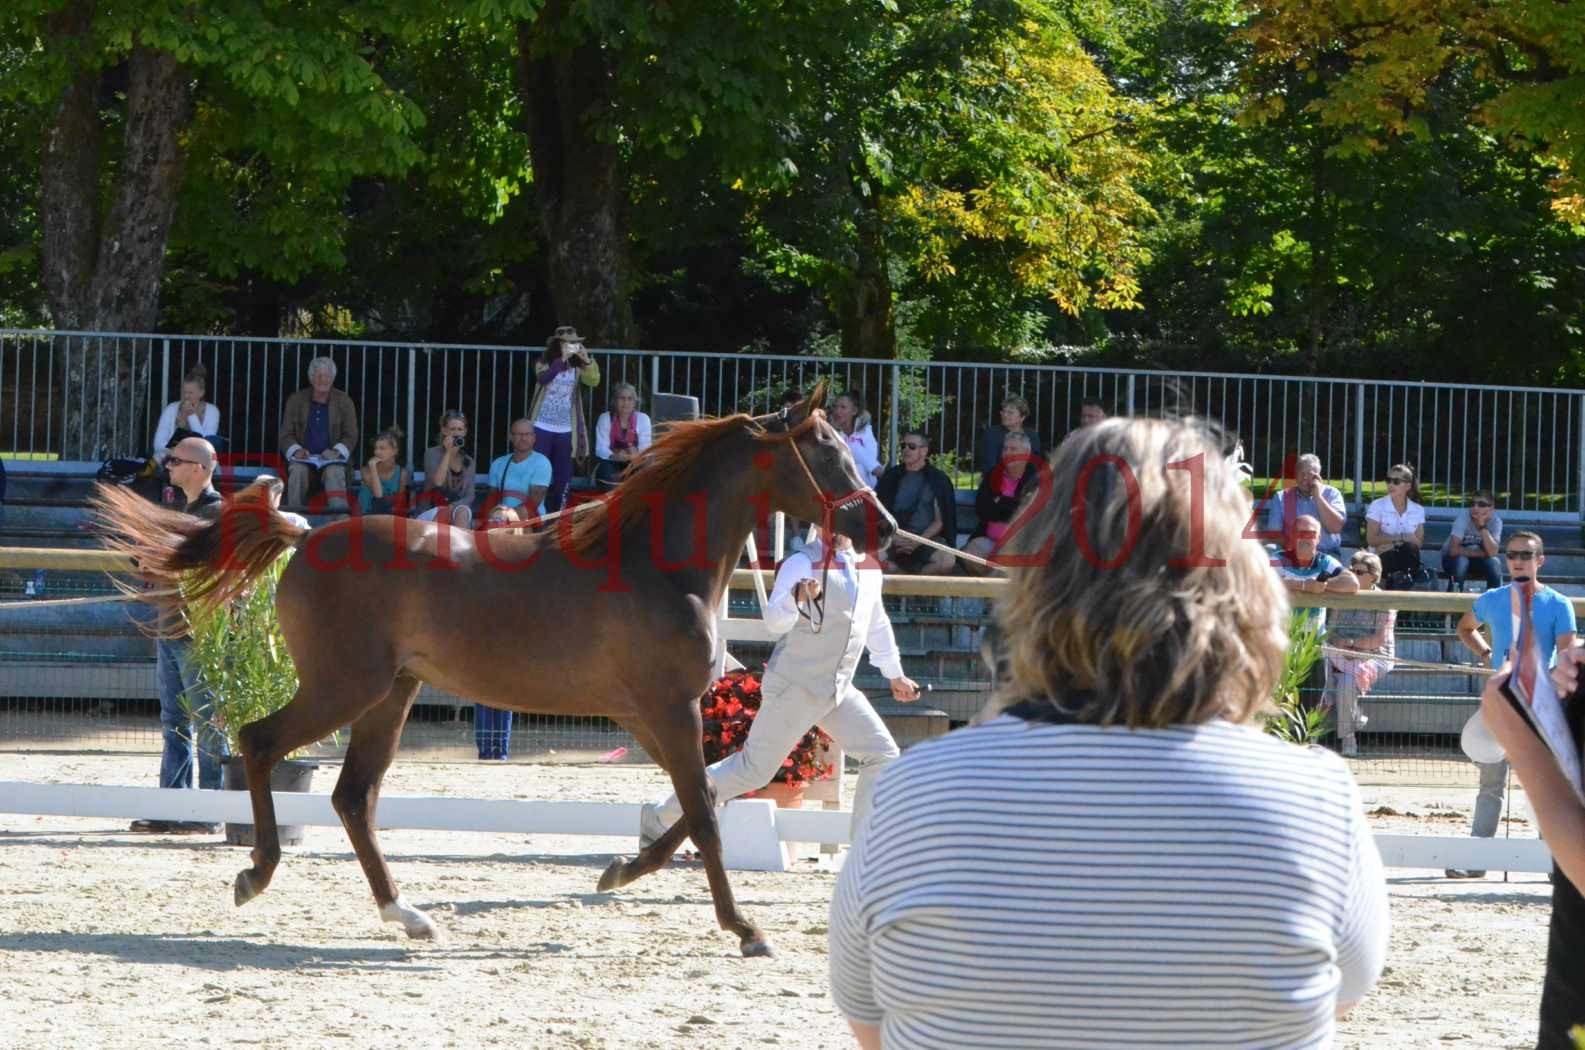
x,y
815,613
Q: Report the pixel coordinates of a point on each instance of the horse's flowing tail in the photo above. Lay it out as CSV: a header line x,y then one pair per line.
x,y
187,559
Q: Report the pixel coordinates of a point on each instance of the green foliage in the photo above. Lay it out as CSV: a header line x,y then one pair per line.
x,y
1294,721
239,654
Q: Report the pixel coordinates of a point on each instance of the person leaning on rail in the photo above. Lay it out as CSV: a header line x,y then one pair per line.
x,y
1121,857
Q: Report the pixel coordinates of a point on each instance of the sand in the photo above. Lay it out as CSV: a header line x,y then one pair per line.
x,y
110,939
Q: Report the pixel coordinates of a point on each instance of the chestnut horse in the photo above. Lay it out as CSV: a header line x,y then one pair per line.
x,y
610,612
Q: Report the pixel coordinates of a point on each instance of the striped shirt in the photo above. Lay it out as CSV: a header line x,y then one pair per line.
x,y
1022,884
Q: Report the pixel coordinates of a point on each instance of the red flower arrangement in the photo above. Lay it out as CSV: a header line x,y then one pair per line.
x,y
729,707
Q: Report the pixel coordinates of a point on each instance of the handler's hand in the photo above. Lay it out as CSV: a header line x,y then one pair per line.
x,y
1566,673
807,591
905,689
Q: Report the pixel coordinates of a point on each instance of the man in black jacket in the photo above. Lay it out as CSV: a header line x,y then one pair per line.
x,y
923,501
192,468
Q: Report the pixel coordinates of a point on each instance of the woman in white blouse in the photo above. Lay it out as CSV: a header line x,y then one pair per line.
x,y
1395,526
848,416
619,435
191,413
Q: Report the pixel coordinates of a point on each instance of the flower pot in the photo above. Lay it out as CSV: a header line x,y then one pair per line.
x,y
785,795
290,775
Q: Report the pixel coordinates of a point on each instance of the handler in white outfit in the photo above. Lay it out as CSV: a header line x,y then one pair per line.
x,y
809,681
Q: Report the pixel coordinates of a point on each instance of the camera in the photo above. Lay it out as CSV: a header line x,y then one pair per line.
x,y
457,441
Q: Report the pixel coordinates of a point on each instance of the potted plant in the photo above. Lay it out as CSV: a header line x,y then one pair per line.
x,y
239,656
729,707
1294,721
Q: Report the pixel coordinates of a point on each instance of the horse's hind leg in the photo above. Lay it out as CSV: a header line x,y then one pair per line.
x,y
375,738
678,740
313,714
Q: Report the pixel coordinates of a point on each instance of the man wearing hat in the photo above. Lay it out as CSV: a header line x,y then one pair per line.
x,y
1501,608
561,434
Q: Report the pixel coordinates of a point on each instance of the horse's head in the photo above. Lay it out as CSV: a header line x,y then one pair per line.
x,y
816,478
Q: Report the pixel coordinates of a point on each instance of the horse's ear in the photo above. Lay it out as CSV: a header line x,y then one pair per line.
x,y
816,398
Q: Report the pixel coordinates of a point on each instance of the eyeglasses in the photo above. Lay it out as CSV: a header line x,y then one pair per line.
x,y
1521,555
913,446
177,461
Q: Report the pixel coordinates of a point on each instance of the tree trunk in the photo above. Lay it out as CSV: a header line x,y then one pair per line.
x,y
104,275
578,184
864,305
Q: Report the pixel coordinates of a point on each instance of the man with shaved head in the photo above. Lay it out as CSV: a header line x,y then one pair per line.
x,y
191,466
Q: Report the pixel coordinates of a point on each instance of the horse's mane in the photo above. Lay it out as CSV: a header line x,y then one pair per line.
x,y
660,469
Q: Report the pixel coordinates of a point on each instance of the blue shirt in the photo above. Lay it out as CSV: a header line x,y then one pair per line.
x,y
1322,567
316,436
1275,514
1550,612
514,481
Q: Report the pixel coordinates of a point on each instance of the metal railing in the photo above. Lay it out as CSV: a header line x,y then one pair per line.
x,y
1523,443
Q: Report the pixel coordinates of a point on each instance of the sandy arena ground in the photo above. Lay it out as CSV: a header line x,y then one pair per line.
x,y
109,939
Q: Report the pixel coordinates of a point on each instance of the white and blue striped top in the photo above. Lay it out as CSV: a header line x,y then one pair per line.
x,y
1022,884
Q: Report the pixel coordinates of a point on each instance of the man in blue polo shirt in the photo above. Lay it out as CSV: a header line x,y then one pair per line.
x,y
1552,618
520,478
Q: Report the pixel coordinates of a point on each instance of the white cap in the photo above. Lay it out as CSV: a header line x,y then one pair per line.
x,y
1478,743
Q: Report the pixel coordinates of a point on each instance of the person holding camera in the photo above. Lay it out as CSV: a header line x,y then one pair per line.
x,y
560,432
449,474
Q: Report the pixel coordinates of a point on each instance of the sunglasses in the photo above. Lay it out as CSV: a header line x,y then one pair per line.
x,y
1521,555
913,446
177,461
1397,481
1482,503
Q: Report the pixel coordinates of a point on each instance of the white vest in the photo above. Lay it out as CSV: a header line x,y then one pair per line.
x,y
822,664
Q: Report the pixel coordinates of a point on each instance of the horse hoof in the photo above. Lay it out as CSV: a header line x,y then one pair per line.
x,y
243,890
758,950
612,879
415,922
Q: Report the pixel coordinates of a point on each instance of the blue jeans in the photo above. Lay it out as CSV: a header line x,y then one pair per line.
x,y
181,726
1459,568
492,731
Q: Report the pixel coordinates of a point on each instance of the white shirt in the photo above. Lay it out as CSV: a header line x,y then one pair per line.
x,y
206,422
555,411
1383,513
863,584
867,452
602,433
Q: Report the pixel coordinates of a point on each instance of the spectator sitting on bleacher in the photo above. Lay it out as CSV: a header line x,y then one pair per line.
x,y
520,479
319,429
1367,635
448,475
1473,544
997,500
384,479
922,500
1308,495
191,416
848,416
1395,529
619,435
1015,419
1091,412
1306,569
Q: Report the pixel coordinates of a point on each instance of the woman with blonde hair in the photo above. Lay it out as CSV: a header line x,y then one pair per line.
x,y
1122,857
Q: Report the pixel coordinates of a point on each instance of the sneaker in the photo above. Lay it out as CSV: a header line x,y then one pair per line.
x,y
651,826
1464,873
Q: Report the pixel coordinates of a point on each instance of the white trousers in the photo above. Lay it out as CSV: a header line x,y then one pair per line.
x,y
785,715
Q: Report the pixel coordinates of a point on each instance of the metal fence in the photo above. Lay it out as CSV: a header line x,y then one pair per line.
x,y
1523,443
